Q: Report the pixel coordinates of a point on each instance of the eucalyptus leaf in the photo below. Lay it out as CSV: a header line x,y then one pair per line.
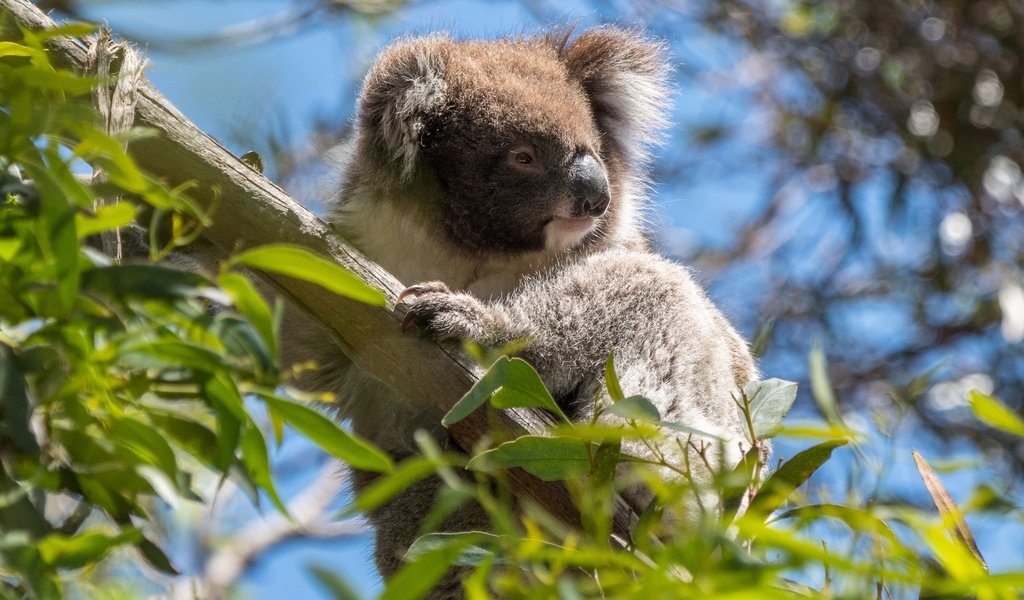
x,y
303,264
636,408
548,458
994,413
611,379
770,400
327,434
791,475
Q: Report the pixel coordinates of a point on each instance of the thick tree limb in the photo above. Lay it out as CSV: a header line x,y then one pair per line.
x,y
250,210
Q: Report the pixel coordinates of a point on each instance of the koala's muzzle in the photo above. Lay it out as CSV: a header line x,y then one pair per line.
x,y
589,186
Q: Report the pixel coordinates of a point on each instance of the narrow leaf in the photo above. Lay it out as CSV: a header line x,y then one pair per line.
x,y
257,464
249,302
330,436
611,379
951,515
821,387
481,391
300,263
791,475
416,578
995,414
84,548
550,459
387,487
334,584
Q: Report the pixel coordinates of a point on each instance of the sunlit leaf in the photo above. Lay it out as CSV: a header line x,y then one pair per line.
x,y
112,216
416,578
791,475
770,401
994,413
79,550
508,383
300,263
951,515
821,387
611,379
251,304
327,434
388,486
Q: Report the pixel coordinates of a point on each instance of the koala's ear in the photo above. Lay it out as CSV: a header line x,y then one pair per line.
x,y
626,78
404,88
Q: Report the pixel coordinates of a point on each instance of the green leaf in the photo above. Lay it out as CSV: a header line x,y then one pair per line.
x,y
252,305
770,401
858,519
994,413
113,216
387,487
334,584
611,379
257,464
328,435
84,548
417,578
176,353
300,263
793,473
547,458
481,391
155,557
821,387
508,383
689,430
951,515
523,388
475,546
636,408
145,443
121,282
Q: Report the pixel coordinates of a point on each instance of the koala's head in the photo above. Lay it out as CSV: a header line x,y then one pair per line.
x,y
526,144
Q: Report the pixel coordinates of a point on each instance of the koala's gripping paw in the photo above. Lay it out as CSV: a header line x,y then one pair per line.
x,y
444,315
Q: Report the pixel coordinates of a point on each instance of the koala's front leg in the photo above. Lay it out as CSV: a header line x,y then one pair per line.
x,y
445,315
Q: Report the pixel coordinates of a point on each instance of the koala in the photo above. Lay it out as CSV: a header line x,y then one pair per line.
x,y
504,182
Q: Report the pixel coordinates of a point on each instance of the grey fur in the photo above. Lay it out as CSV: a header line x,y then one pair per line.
x,y
438,190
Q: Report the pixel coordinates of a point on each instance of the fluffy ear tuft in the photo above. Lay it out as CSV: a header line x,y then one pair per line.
x,y
400,93
626,77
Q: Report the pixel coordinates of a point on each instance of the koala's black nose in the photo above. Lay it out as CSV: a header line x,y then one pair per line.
x,y
589,186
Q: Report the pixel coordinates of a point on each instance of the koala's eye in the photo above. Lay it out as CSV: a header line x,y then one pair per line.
x,y
522,156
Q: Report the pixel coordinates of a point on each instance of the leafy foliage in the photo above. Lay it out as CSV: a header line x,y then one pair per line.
x,y
120,384
691,540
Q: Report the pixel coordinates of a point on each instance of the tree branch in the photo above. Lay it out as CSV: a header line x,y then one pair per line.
x,y
248,210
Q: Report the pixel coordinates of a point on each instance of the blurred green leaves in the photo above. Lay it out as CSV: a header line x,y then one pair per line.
x,y
121,384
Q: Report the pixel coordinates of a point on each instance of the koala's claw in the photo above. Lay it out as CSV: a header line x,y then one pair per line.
x,y
419,289
441,314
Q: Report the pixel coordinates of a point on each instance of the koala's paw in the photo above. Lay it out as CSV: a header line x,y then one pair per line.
x,y
444,315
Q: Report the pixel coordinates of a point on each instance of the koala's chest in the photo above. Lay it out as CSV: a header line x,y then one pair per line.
x,y
413,254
